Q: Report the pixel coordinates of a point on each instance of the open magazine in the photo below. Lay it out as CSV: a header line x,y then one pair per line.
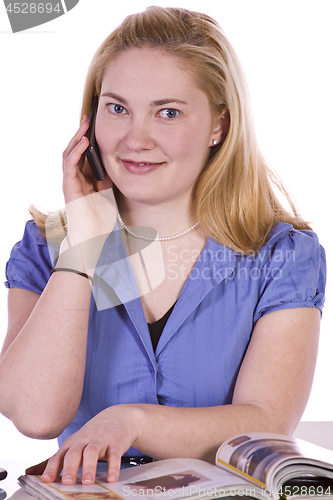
x,y
261,466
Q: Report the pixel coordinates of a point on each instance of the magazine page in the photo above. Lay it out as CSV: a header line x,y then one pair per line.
x,y
259,457
57,491
254,455
165,479
181,478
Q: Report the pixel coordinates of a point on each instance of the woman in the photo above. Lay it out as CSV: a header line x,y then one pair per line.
x,y
204,346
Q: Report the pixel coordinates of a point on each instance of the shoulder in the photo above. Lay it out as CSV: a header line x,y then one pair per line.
x,y
284,235
293,269
32,235
30,261
293,249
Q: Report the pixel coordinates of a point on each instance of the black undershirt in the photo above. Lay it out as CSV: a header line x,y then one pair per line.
x,y
156,328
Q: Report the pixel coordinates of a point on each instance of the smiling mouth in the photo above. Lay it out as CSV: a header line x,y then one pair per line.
x,y
141,164
140,167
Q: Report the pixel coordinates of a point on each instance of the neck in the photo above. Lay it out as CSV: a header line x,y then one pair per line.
x,y
166,219
155,237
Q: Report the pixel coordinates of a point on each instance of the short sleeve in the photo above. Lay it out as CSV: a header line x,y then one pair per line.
x,y
294,271
29,264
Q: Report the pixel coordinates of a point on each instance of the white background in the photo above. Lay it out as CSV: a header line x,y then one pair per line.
x,y
286,50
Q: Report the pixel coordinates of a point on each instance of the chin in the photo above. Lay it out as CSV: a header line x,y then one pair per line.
x,y
138,194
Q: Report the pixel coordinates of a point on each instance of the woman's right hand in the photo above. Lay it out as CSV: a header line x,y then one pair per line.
x,y
91,214
75,183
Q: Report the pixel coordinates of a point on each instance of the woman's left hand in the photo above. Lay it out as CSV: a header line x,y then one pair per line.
x,y
107,437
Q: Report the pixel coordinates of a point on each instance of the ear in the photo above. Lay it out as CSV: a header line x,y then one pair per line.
x,y
221,128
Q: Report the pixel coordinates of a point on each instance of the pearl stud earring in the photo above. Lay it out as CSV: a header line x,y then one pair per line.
x,y
215,142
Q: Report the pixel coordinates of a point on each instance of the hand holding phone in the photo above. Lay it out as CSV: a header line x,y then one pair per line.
x,y
92,152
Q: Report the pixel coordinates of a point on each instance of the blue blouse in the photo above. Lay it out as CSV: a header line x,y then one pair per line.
x,y
202,345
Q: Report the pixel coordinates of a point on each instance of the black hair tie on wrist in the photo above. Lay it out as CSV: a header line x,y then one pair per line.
x,y
68,270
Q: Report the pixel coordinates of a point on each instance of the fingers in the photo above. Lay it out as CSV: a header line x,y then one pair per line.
x,y
78,177
53,467
90,458
76,155
114,464
105,437
91,455
69,462
74,183
78,137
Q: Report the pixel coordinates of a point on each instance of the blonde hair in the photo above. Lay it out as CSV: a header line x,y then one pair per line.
x,y
235,199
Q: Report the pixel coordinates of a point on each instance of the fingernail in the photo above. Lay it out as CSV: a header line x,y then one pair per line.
x,y
46,477
111,477
87,479
67,479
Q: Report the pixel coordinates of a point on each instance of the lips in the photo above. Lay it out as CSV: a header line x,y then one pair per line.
x,y
140,167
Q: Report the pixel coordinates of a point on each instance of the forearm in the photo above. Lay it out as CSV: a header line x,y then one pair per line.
x,y
167,432
158,431
41,372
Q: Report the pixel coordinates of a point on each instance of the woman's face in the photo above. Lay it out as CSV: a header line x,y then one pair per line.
x,y
153,126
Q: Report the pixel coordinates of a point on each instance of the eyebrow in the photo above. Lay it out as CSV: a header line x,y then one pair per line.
x,y
160,102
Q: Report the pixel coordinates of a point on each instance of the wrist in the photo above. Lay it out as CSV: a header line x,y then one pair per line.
x,y
138,421
82,257
74,271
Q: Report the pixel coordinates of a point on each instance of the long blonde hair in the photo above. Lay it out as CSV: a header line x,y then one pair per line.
x,y
235,200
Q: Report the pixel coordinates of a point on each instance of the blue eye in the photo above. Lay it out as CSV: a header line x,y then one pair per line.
x,y
117,109
169,113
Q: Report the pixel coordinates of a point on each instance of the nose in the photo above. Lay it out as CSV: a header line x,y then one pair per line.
x,y
139,135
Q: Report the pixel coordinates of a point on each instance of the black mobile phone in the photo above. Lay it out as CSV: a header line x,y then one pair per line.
x,y
92,152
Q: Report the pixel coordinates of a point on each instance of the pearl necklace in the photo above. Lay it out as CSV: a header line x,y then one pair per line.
x,y
166,238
